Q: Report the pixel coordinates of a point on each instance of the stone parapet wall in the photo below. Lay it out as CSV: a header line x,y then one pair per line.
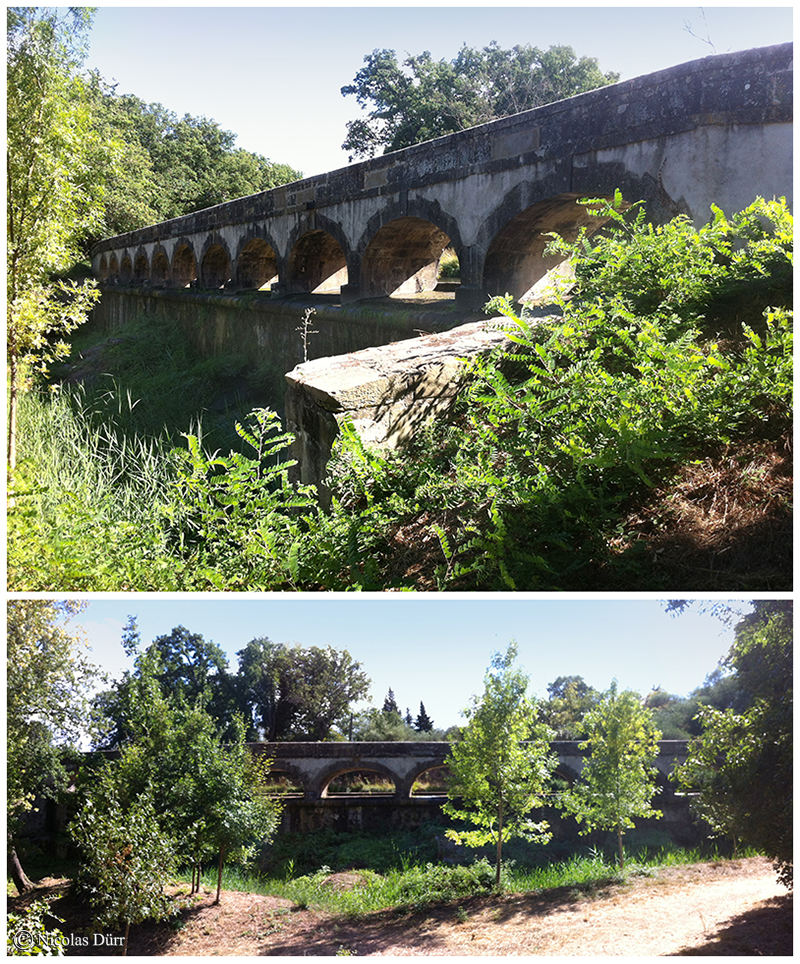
x,y
388,392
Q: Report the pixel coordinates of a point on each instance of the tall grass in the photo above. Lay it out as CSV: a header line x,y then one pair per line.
x,y
420,885
87,499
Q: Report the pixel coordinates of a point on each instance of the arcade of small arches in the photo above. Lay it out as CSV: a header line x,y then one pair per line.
x,y
405,771
396,255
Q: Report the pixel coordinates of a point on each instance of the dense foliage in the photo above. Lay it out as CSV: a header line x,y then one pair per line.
x,y
422,98
173,165
55,173
48,682
741,764
618,779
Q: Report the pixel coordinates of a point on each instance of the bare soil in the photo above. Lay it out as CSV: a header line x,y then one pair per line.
x,y
733,908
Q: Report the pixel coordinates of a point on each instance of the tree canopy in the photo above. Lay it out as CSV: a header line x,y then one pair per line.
x,y
422,98
174,165
502,764
740,766
47,703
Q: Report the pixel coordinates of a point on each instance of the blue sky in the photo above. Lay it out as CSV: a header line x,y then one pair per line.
x,y
436,648
272,75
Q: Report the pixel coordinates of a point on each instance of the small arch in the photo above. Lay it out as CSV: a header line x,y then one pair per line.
x,y
317,264
102,268
126,269
184,265
352,778
141,267
402,258
431,782
256,265
515,261
215,266
159,270
284,780
113,269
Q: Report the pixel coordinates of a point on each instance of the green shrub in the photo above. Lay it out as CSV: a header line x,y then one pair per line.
x,y
439,883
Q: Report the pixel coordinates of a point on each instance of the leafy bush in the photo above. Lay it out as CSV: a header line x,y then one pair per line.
x,y
28,936
439,883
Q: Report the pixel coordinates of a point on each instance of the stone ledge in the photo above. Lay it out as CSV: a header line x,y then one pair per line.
x,y
389,392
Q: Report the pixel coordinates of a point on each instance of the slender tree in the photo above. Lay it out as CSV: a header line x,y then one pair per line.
x,y
423,722
56,165
618,780
500,768
49,680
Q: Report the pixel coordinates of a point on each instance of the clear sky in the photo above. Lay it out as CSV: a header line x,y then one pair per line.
x,y
436,649
272,75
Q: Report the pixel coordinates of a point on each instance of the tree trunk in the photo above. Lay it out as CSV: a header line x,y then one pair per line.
x,y
621,853
219,873
17,874
499,843
125,945
13,377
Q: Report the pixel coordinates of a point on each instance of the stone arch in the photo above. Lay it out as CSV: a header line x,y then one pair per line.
x,y
340,769
141,267
113,268
402,258
102,268
282,768
400,248
159,268
215,264
317,263
515,261
126,269
420,772
184,264
256,263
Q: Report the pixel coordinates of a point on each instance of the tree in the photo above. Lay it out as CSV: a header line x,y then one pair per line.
x,y
297,693
570,699
55,169
128,858
390,704
740,766
47,705
423,723
208,791
323,684
424,98
263,667
186,665
174,166
496,779
617,782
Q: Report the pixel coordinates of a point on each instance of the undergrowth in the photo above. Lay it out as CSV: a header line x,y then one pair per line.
x,y
673,350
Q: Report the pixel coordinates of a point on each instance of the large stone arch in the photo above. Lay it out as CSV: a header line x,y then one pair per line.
x,y
317,262
256,261
160,273
340,768
141,267
184,264
126,269
400,248
216,264
515,262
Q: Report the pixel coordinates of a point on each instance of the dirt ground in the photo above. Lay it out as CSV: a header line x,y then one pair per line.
x,y
732,908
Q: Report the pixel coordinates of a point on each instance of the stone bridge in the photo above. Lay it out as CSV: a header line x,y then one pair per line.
x,y
313,766
716,130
